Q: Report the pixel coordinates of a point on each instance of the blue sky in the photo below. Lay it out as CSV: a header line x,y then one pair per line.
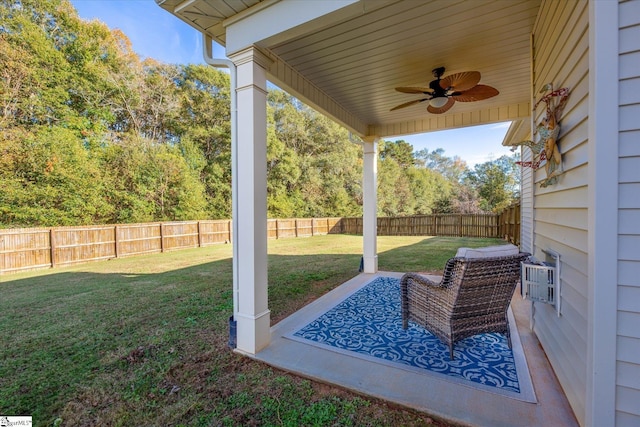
x,y
153,32
476,144
157,34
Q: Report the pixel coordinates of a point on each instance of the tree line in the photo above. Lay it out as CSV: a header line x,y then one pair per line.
x,y
93,134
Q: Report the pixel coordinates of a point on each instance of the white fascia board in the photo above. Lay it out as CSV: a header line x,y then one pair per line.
x,y
518,131
271,18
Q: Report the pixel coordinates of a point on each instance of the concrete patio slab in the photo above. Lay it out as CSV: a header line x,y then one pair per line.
x,y
451,401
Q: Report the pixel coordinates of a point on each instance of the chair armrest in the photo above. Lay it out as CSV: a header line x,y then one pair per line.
x,y
423,297
426,287
424,279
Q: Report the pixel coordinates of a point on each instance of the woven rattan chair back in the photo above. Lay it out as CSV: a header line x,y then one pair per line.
x,y
472,298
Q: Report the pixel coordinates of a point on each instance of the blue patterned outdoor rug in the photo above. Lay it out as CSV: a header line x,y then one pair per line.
x,y
368,324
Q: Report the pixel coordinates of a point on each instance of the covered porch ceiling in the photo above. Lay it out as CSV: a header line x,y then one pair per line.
x,y
346,58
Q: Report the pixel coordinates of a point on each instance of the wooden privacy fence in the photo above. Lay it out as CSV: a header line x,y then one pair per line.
x,y
302,227
24,249
455,225
32,248
509,221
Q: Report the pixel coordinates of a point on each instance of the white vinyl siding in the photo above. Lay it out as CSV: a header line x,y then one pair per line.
x,y
526,204
628,332
561,55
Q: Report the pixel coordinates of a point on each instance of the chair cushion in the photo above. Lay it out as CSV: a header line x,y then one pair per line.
x,y
488,251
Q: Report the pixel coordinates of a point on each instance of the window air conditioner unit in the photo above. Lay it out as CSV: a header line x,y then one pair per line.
x,y
540,281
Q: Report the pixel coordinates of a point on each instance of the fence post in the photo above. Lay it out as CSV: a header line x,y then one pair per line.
x,y
161,237
515,224
115,241
277,229
505,225
518,221
295,226
52,245
199,235
229,227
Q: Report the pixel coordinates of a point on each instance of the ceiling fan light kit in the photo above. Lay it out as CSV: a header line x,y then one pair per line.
x,y
438,102
443,92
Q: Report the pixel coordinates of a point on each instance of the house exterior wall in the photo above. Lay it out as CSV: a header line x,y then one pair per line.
x,y
628,333
526,203
560,211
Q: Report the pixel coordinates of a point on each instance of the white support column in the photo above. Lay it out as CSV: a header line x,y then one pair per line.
x,y
370,204
250,199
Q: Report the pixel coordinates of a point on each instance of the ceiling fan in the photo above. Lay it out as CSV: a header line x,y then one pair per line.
x,y
443,93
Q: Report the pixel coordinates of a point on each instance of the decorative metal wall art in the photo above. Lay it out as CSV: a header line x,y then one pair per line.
x,y
545,146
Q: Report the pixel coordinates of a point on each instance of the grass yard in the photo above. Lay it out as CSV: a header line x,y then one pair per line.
x,y
142,341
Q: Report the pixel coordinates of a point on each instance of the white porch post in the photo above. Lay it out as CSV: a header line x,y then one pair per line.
x,y
370,204
250,203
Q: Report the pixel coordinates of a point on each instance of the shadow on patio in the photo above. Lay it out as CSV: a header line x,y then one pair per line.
x,y
418,388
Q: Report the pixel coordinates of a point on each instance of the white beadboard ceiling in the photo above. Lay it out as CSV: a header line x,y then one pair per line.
x,y
357,59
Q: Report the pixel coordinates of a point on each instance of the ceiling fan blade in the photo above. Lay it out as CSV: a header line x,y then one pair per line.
x,y
461,81
413,89
442,109
476,93
406,104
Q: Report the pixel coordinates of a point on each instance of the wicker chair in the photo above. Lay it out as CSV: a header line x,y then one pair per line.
x,y
471,298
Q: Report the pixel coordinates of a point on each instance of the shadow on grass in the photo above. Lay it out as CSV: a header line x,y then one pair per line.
x,y
140,349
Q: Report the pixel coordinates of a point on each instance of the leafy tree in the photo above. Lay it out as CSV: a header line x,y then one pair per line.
x,y
90,133
335,163
428,187
496,183
49,178
283,174
313,169
452,168
394,191
203,125
76,103
35,70
401,151
465,200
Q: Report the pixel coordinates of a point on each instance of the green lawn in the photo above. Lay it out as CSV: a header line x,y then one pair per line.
x,y
143,340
